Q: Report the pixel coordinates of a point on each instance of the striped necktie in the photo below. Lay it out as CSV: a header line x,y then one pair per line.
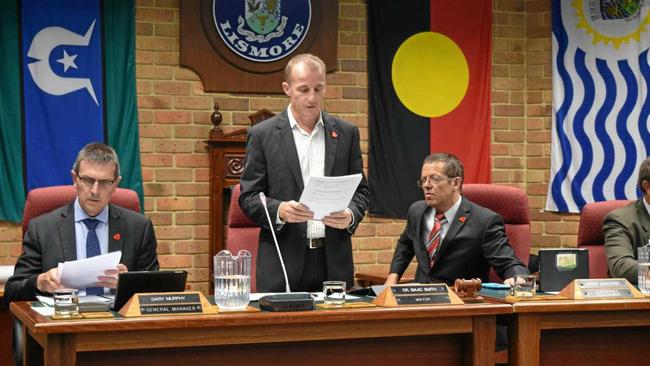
x,y
92,249
433,241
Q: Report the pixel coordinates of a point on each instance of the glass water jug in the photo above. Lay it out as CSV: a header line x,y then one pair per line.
x,y
232,280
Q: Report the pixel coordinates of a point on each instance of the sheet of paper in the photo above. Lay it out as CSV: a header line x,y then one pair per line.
x,y
5,273
44,310
84,272
324,195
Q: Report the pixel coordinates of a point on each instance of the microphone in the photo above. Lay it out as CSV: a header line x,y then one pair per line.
x,y
275,240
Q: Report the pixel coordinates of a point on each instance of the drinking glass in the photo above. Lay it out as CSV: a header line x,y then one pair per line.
x,y
334,292
643,256
66,303
524,286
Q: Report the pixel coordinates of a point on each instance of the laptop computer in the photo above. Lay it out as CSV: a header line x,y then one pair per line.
x,y
559,266
131,283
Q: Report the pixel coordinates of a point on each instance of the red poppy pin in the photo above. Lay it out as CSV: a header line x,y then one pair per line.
x,y
461,219
334,134
117,236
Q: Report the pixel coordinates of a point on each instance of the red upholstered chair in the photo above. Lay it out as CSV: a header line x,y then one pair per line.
x,y
242,232
512,204
43,200
590,234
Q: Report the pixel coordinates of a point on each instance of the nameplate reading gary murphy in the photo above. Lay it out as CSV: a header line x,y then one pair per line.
x,y
173,303
421,294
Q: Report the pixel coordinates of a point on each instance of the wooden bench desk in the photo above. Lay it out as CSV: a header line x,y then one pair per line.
x,y
444,335
584,332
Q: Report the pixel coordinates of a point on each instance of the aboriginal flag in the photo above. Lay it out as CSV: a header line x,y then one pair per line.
x,y
429,79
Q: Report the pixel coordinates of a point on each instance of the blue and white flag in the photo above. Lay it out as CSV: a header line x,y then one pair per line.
x,y
68,78
601,105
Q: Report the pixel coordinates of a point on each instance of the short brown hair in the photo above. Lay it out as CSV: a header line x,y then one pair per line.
x,y
97,153
453,165
306,58
644,173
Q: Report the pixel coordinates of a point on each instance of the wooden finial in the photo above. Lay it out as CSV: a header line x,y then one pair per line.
x,y
216,117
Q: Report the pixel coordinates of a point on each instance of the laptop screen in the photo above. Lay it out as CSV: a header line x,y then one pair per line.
x,y
131,283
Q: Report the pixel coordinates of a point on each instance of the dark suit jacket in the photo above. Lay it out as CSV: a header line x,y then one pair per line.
x,y
272,167
50,239
625,229
475,240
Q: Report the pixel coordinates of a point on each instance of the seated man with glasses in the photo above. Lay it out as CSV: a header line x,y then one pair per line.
x,y
450,236
86,227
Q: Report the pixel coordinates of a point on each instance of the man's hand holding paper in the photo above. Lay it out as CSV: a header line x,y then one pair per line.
x,y
329,197
100,270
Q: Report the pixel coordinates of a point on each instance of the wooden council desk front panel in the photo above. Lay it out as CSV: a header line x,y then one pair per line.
x,y
586,332
442,335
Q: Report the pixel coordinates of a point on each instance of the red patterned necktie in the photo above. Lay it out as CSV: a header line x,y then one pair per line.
x,y
434,237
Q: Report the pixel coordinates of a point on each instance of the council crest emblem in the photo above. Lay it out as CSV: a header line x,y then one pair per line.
x,y
262,30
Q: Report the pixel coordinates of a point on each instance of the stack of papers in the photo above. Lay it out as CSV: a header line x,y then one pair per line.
x,y
83,273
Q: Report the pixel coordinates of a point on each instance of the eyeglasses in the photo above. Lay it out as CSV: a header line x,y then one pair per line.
x,y
434,179
89,182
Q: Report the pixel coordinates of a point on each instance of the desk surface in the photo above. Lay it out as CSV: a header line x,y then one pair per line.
x,y
580,332
461,334
42,324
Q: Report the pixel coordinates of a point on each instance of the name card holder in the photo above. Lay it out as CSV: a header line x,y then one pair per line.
x,y
417,294
601,288
167,303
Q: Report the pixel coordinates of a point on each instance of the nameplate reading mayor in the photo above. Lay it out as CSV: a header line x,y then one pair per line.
x,y
421,294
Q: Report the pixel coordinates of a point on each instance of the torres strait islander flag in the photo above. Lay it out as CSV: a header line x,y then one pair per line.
x,y
68,78
429,80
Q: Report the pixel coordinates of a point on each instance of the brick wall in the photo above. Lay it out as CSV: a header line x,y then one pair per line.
x,y
174,120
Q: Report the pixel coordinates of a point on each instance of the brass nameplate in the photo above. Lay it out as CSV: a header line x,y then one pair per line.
x,y
600,288
421,294
167,303
417,294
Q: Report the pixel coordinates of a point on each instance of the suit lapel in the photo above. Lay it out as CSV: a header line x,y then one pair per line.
x,y
458,222
331,142
644,220
288,146
67,234
115,230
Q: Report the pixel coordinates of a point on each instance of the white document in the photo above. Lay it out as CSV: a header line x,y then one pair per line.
x,y
324,195
84,272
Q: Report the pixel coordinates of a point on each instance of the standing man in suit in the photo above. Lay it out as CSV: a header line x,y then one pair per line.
x,y
626,229
86,227
450,236
281,154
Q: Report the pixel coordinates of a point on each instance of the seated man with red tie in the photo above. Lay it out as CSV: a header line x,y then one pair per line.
x,y
450,236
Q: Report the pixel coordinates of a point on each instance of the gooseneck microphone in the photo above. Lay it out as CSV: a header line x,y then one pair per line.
x,y
275,240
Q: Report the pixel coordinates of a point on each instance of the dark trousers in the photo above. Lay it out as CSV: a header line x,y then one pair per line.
x,y
314,272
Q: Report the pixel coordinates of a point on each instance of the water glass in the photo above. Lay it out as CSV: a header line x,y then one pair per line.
x,y
66,303
232,280
524,286
334,292
643,257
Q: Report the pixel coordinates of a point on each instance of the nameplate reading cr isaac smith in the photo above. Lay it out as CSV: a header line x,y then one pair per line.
x,y
421,294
